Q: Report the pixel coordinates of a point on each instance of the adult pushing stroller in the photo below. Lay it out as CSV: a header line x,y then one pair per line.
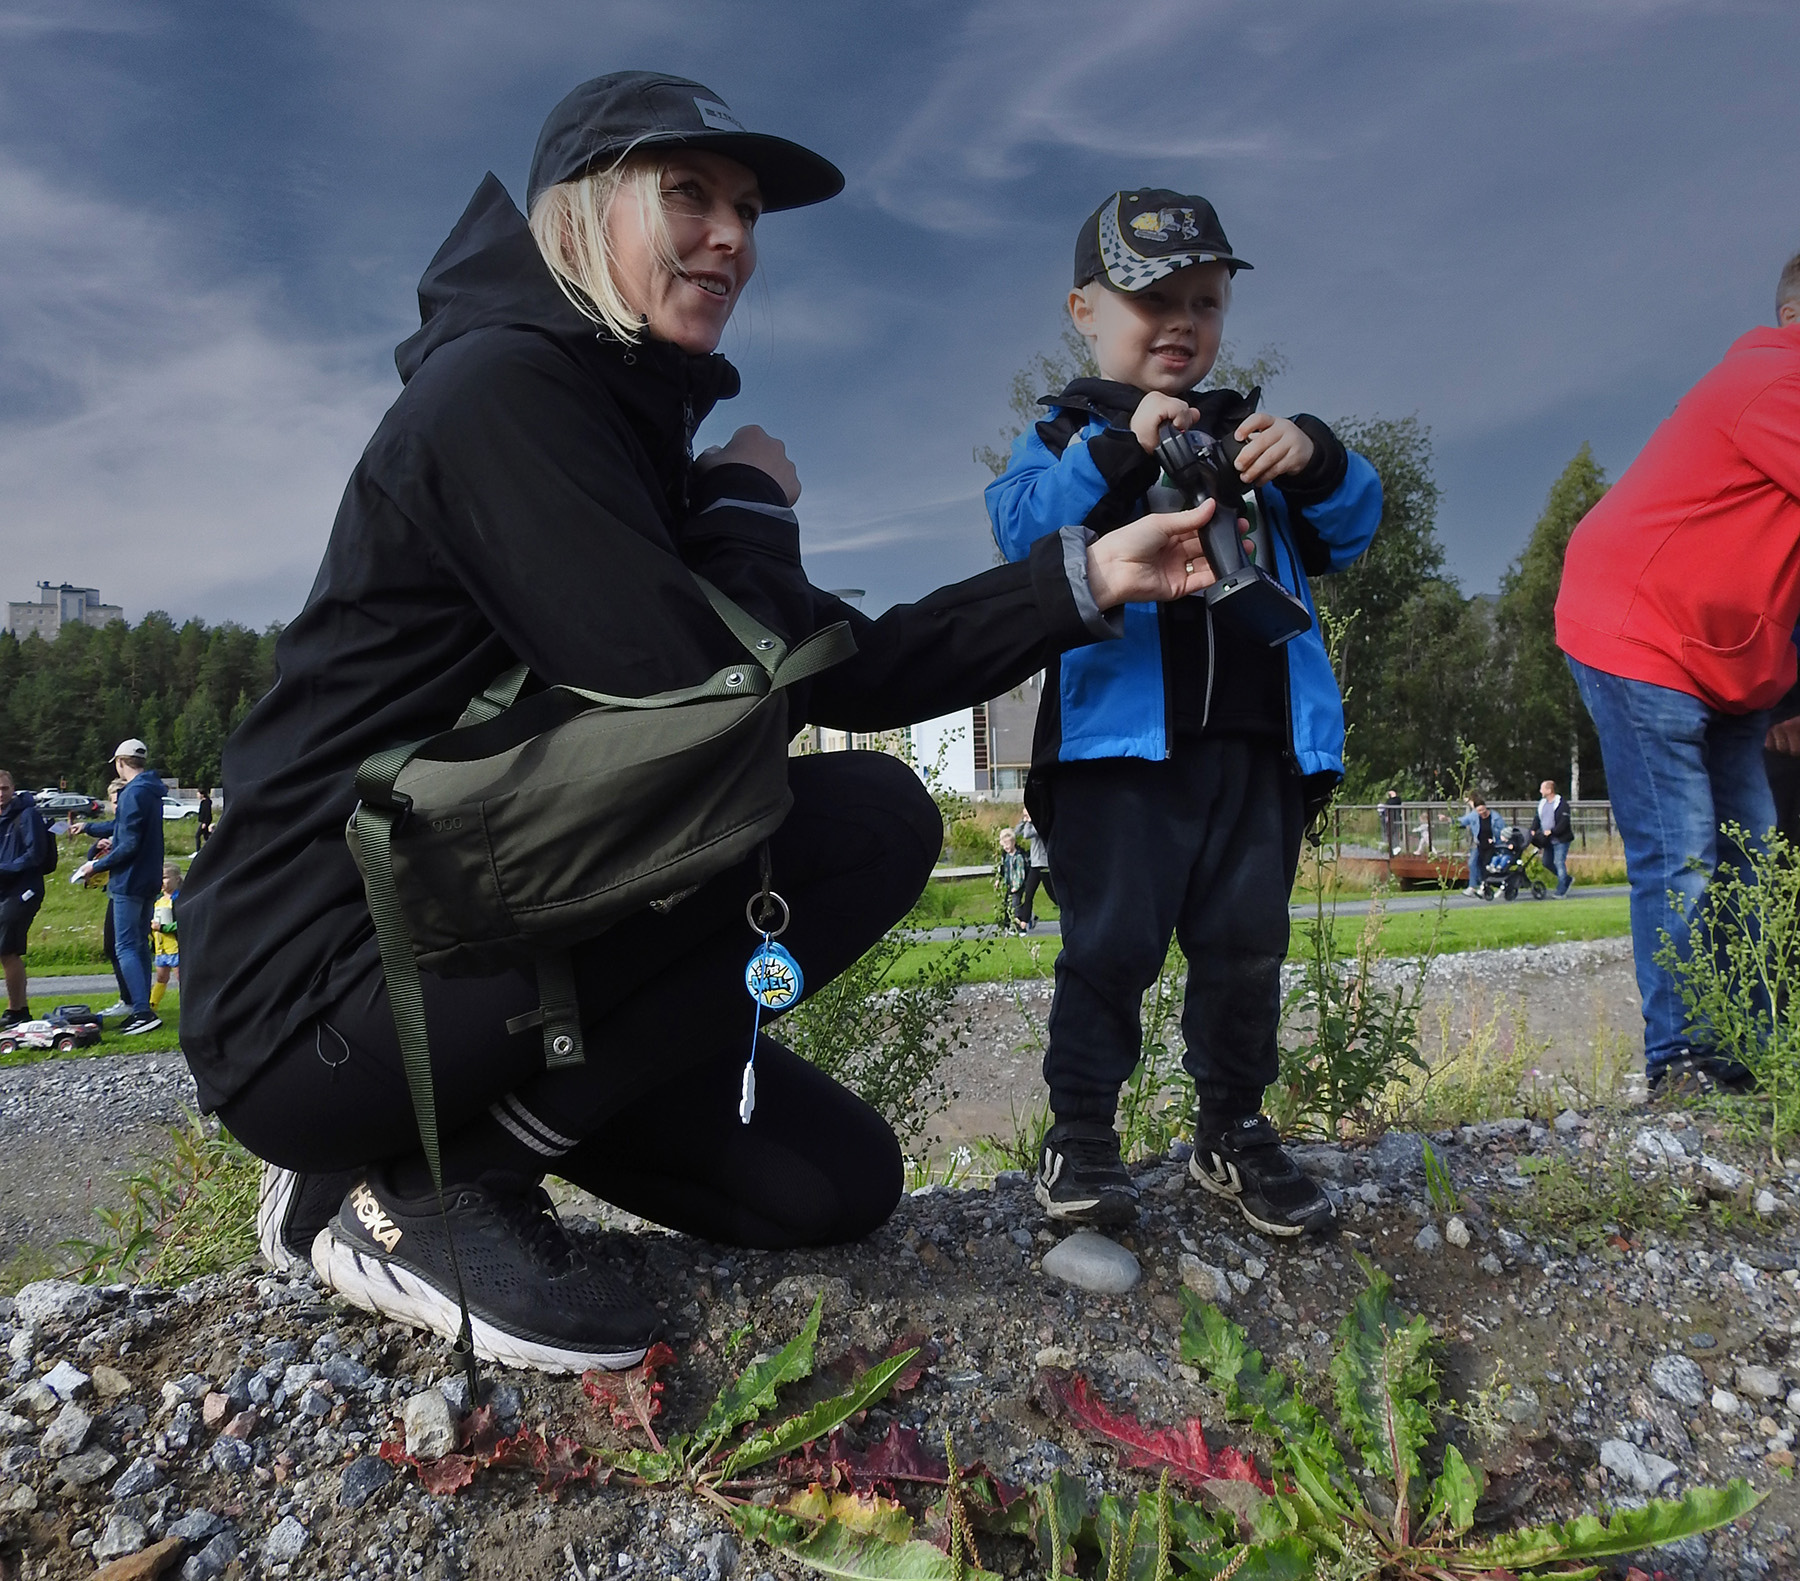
x,y
1513,866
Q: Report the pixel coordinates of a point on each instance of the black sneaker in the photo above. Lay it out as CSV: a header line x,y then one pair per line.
x,y
534,1299
291,1209
1246,1162
139,1021
1694,1073
16,1018
1081,1178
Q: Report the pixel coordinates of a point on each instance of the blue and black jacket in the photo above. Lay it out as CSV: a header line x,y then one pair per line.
x,y
1114,699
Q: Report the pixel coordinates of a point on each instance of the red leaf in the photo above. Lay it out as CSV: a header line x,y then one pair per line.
x,y
555,1462
446,1475
1182,1449
633,1398
856,1361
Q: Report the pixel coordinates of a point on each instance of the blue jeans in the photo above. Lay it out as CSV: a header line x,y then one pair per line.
x,y
1559,865
1676,771
131,942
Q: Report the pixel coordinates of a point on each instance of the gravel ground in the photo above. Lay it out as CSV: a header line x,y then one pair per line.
x,y
1678,1348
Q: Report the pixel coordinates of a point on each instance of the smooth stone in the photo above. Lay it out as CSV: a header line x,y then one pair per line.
x,y
282,1546
124,1534
1679,1379
67,1434
66,1381
1793,1403
362,1479
54,1301
1255,1268
1766,1204
1645,1472
430,1428
1090,1261
140,1476
1760,1383
1205,1280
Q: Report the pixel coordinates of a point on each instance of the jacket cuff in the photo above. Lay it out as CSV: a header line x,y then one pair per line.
x,y
1059,576
1127,467
1324,475
733,480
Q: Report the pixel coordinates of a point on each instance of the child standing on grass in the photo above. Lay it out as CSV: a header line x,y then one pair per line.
x,y
1177,767
1009,879
163,943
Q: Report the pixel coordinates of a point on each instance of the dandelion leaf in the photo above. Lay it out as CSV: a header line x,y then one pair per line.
x,y
869,1514
837,1550
753,1390
1385,1381
1454,1494
785,1437
1589,1537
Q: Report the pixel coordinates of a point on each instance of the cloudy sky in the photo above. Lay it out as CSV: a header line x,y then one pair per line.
x,y
1531,224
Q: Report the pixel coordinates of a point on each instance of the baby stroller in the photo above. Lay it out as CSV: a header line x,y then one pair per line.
x,y
1512,867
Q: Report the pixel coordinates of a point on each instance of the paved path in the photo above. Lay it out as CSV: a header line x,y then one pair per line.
x,y
1050,928
60,990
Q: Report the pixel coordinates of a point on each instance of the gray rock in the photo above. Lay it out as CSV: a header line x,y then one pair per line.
x,y
124,1534
430,1428
345,1372
1689,1552
1206,1281
362,1479
1092,1262
1456,1233
213,1560
35,1396
67,1434
1725,1402
502,1399
1679,1379
55,1301
282,1546
67,1382
1524,1410
1760,1383
190,1390
14,1426
1135,1366
804,1289
17,1500
180,1431
1429,1241
1567,1122
1658,1143
1721,1173
196,1526
230,1455
315,1403
1765,1204
1490,1264
1646,1473
1793,1403
1398,1153
298,1376
87,1468
719,1554
140,1476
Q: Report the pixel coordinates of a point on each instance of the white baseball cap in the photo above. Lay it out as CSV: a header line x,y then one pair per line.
x,y
130,747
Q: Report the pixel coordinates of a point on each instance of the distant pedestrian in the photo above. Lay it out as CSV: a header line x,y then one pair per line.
x,y
133,864
204,819
1009,878
1552,832
27,853
1422,835
109,946
165,949
1037,869
1393,823
1484,835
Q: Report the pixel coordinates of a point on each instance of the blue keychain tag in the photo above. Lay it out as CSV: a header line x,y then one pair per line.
x,y
774,982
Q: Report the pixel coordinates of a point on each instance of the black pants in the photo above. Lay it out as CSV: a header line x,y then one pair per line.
x,y
650,1121
1035,878
1201,846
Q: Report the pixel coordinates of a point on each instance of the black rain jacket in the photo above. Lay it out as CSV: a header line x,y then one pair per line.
x,y
529,497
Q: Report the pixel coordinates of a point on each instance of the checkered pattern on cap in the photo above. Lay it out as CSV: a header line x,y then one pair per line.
x,y
1126,268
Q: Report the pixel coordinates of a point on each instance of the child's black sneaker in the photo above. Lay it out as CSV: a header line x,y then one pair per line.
x,y
534,1299
1245,1161
1695,1073
1081,1178
291,1209
16,1018
139,1021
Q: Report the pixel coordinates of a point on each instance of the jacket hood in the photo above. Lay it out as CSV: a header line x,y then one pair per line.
x,y
1112,402
489,274
20,801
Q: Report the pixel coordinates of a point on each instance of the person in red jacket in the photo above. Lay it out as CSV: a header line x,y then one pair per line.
x,y
1679,598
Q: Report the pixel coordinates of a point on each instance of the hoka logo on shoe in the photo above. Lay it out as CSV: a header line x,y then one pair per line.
x,y
373,1218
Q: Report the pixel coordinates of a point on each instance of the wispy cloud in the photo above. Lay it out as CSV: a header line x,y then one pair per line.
x,y
173,443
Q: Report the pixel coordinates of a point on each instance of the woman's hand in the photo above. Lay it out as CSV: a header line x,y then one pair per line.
x,y
751,447
1156,557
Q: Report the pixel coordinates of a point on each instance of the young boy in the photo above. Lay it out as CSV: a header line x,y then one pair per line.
x,y
163,943
1177,767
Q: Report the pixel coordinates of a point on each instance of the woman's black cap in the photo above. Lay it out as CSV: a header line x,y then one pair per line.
x,y
606,118
1134,239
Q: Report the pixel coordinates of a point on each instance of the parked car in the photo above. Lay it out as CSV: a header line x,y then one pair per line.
x,y
65,804
175,808
48,1035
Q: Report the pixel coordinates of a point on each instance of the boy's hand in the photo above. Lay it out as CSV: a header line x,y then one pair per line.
x,y
1157,557
1155,410
751,447
1273,447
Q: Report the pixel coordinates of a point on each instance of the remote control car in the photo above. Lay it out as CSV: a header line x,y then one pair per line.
x,y
75,1016
48,1035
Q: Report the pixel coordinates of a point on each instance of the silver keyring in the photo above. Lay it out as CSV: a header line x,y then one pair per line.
x,y
756,900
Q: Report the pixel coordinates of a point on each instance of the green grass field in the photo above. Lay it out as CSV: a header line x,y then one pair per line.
x,y
65,937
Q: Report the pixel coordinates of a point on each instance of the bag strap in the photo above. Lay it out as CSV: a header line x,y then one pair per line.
x,y
496,697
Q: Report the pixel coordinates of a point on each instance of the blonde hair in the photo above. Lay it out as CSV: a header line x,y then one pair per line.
x,y
569,224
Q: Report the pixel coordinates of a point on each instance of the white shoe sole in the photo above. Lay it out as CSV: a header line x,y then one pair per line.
x,y
274,1197
1083,1212
390,1291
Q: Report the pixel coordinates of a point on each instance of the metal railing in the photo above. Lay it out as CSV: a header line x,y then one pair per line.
x,y
1430,828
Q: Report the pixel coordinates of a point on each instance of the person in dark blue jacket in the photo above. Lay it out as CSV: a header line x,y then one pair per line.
x,y
133,864
25,849
1176,767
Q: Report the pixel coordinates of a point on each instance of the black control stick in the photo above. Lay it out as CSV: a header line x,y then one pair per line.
x,y
1199,467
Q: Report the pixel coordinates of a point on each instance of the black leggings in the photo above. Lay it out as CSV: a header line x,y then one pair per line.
x,y
649,1122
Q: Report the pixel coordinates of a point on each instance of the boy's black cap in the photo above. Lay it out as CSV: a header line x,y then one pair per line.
x,y
604,119
1134,239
